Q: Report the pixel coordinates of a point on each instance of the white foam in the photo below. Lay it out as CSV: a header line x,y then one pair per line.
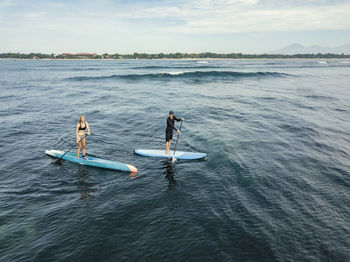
x,y
176,73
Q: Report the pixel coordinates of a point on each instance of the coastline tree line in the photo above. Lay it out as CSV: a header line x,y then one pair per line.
x,y
169,56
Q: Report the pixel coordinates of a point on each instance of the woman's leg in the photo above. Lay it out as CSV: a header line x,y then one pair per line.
x,y
84,147
78,152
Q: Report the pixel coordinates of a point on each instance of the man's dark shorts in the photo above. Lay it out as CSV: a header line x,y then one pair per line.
x,y
168,136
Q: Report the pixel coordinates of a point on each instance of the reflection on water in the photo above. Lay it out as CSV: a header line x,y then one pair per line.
x,y
83,185
174,191
170,172
132,176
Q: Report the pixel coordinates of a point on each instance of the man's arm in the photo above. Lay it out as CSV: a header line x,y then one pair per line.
x,y
178,119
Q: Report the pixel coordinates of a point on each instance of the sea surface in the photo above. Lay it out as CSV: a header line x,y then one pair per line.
x,y
274,187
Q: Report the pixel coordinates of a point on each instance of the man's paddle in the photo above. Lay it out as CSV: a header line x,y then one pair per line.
x,y
59,161
177,140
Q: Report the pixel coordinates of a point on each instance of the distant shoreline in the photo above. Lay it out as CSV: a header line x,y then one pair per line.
x,y
169,59
168,56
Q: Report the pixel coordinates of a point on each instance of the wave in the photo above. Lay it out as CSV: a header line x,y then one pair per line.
x,y
319,97
194,75
85,69
177,67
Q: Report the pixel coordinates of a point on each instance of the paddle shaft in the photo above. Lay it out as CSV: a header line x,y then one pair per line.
x,y
177,140
58,161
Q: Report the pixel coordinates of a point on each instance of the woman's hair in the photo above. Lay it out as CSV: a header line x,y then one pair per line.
x,y
80,117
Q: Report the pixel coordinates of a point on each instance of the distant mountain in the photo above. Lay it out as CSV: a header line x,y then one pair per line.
x,y
300,49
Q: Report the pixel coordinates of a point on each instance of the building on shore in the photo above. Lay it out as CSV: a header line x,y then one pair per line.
x,y
80,55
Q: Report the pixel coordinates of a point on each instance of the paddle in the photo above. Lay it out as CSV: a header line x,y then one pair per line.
x,y
177,140
59,161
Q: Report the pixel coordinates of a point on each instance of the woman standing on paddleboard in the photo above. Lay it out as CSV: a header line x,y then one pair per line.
x,y
169,130
80,128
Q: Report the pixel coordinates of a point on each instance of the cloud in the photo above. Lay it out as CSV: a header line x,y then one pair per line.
x,y
189,17
236,16
131,24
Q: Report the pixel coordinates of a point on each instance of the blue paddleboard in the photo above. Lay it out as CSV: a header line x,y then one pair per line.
x,y
178,154
92,161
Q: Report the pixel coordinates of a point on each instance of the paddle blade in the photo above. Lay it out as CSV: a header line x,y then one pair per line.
x,y
58,161
174,159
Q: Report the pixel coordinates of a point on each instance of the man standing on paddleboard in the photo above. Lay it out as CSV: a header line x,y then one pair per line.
x,y
170,126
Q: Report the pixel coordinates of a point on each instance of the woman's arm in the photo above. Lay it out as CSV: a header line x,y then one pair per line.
x,y
88,128
76,132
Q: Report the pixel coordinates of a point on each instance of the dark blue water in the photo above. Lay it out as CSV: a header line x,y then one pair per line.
x,y
275,185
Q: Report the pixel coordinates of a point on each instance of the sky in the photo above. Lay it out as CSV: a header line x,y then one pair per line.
x,y
154,26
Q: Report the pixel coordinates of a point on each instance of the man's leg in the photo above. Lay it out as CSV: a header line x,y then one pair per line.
x,y
167,146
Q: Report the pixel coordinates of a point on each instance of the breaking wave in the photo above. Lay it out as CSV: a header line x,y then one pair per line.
x,y
195,75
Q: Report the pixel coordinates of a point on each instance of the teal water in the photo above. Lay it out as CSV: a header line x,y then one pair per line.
x,y
274,187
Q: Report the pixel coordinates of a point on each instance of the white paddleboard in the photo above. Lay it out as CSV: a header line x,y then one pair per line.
x,y
178,154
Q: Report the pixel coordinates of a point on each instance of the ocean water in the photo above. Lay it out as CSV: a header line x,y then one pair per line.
x,y
274,187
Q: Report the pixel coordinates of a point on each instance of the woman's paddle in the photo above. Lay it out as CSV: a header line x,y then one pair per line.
x,y
177,140
59,161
